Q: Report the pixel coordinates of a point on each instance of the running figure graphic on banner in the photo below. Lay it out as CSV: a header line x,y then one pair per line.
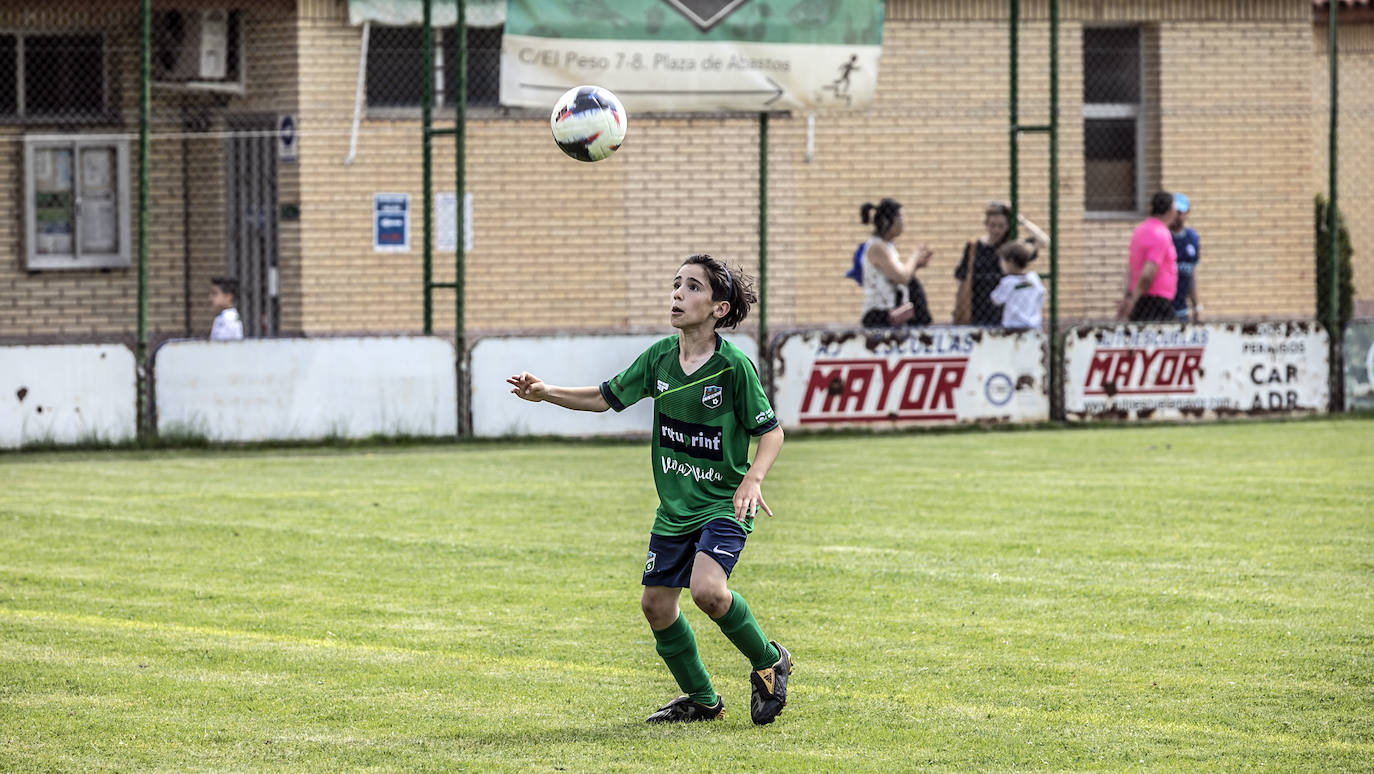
x,y
840,86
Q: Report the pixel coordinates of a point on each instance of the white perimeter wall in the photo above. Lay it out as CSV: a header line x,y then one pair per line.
x,y
285,389
294,389
67,394
568,361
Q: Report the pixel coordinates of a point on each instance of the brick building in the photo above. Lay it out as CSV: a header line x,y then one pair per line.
x,y
1227,104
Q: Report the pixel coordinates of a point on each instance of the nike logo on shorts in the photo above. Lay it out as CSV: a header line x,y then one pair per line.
x,y
716,550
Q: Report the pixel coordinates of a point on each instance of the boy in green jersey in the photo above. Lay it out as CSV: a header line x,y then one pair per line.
x,y
707,403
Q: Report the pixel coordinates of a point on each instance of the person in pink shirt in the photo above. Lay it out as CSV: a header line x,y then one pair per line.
x,y
1152,274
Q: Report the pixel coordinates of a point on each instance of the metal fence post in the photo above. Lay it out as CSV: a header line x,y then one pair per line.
x,y
1337,368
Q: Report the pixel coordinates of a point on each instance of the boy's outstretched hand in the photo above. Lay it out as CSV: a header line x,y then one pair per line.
x,y
527,386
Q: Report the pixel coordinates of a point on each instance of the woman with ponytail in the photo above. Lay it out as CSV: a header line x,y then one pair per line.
x,y
892,294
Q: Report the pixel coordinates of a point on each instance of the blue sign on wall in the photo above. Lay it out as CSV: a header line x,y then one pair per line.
x,y
390,223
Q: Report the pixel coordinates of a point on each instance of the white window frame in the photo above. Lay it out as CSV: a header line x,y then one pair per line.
x,y
76,258
1118,111
20,108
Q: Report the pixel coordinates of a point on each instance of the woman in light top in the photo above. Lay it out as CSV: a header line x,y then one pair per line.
x,y
892,294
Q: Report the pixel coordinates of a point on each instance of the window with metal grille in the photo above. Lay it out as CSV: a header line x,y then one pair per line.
x,y
395,67
76,201
52,76
1112,120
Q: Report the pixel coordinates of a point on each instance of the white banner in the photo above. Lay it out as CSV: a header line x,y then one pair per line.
x,y
67,394
1170,371
569,361
657,76
867,378
691,56
295,389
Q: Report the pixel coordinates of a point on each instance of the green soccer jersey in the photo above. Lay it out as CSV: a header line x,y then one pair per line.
x,y
702,424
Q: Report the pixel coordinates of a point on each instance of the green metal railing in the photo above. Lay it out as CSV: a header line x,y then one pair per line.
x,y
1333,321
459,134
144,423
1016,129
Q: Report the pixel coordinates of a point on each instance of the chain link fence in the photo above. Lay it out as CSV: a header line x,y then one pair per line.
x,y
274,128
1355,147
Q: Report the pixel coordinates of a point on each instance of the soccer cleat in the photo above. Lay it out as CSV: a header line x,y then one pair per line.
x,y
770,688
684,710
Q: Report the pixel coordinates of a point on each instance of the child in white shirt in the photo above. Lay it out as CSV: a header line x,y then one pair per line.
x,y
228,326
1020,292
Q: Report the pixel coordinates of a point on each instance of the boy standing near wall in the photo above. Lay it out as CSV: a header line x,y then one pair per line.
x,y
223,294
1020,292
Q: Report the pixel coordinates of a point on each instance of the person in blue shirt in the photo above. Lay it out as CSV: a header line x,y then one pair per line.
x,y
1186,244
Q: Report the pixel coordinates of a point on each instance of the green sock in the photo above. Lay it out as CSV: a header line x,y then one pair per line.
x,y
678,648
739,626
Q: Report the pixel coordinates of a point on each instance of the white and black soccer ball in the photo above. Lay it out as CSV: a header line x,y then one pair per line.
x,y
588,123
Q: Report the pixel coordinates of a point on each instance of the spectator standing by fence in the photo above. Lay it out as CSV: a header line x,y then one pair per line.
x,y
974,304
1019,293
1186,246
892,294
1152,267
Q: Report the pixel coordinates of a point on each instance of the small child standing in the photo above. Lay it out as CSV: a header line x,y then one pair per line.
x,y
1020,292
223,294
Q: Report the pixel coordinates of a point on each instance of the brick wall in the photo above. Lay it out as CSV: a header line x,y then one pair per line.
x,y
562,245
1234,141
186,244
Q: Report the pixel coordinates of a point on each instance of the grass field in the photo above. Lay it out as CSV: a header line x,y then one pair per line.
x,y
1173,598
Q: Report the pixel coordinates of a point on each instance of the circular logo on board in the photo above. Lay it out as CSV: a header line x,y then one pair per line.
x,y
998,389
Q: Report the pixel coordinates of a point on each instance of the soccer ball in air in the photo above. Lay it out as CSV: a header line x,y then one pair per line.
x,y
588,123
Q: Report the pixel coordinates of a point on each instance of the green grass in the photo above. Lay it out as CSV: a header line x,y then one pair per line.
x,y
1193,598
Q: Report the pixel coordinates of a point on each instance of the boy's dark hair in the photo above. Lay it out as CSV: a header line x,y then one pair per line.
x,y
881,215
1161,203
227,285
727,285
1019,253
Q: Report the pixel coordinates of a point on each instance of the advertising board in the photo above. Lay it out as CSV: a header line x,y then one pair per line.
x,y
1172,371
947,375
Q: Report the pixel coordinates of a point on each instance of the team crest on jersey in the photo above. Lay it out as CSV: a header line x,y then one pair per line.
x,y
649,563
662,386
712,396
